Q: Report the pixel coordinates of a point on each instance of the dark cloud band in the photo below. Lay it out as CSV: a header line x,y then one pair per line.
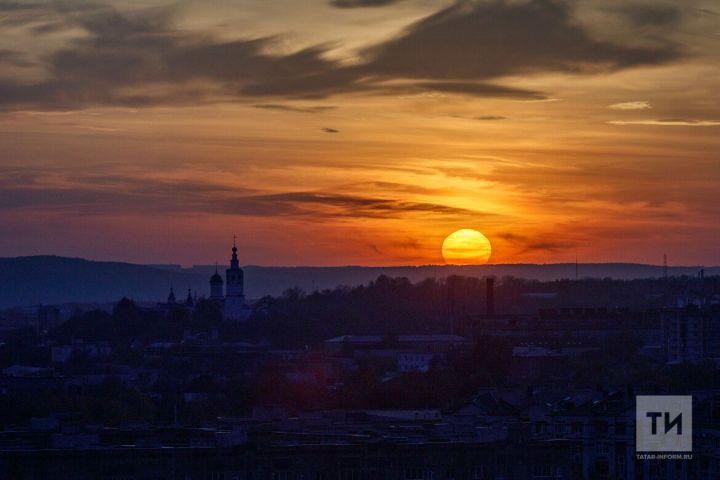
x,y
137,59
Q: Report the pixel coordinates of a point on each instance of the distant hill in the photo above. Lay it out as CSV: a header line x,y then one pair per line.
x,y
53,280
274,280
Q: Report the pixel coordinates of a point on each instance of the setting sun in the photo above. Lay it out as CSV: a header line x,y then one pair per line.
x,y
466,247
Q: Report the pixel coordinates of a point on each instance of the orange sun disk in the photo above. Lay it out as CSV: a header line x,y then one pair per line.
x,y
466,247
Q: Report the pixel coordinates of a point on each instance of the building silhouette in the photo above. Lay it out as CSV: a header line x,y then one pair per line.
x,y
234,306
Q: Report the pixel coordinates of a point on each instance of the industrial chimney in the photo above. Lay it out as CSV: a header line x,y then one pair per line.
x,y
490,297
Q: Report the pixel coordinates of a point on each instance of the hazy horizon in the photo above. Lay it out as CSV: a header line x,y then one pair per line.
x,y
222,265
51,279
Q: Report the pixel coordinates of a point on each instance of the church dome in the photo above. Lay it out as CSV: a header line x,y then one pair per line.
x,y
216,279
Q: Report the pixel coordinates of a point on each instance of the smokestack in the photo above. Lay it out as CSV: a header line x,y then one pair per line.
x,y
490,297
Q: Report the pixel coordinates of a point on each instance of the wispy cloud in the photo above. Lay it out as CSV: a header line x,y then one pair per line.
x,y
539,242
14,57
641,15
96,128
670,122
361,3
115,193
294,108
328,204
637,105
538,36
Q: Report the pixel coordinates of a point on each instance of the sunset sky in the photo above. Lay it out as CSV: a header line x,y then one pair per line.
x,y
336,132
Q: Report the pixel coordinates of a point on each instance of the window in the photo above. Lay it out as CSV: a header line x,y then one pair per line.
x,y
601,448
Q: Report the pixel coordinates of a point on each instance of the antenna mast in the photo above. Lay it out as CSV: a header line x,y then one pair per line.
x,y
576,268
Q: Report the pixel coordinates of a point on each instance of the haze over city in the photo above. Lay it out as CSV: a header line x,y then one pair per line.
x,y
360,132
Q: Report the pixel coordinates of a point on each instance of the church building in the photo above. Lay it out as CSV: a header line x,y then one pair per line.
x,y
233,302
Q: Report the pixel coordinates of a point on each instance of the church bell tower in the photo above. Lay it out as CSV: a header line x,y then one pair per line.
x,y
235,307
